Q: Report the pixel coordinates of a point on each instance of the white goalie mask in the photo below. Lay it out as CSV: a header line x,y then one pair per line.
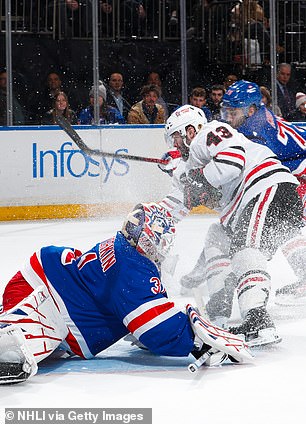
x,y
181,119
150,229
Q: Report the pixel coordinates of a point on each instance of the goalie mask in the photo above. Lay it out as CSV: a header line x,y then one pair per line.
x,y
178,123
150,229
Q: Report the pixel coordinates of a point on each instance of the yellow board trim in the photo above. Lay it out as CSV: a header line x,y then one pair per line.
x,y
14,213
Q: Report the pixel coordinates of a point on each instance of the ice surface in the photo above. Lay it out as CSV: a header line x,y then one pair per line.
x,y
272,390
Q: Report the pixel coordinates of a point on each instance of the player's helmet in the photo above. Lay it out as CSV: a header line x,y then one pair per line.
x,y
181,119
150,229
236,102
242,94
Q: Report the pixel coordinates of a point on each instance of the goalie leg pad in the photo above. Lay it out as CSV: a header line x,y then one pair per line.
x,y
219,339
17,363
40,322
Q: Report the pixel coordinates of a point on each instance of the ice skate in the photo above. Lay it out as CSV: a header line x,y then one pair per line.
x,y
258,328
192,280
219,308
291,295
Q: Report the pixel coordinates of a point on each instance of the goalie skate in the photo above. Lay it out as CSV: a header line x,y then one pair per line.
x,y
257,328
291,295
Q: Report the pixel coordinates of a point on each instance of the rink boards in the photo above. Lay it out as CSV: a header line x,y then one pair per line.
x,y
45,175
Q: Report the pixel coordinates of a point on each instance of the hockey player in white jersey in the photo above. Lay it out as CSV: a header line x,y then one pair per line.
x,y
253,212
242,109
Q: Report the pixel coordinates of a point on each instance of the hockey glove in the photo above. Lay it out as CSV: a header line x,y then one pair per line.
x,y
198,191
212,339
173,157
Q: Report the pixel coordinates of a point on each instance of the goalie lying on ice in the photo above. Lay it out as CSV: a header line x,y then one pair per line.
x,y
84,303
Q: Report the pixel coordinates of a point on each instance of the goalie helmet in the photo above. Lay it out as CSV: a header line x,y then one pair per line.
x,y
181,119
150,229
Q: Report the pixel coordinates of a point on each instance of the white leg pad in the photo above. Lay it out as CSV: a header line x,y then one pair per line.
x,y
14,349
40,322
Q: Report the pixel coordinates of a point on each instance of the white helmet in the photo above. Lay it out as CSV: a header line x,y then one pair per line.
x,y
182,118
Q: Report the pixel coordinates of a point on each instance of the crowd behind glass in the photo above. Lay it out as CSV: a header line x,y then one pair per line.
x,y
233,31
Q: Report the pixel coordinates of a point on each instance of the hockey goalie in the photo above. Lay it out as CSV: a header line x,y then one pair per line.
x,y
84,303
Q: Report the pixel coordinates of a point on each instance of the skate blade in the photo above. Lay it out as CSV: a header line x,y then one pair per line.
x,y
265,337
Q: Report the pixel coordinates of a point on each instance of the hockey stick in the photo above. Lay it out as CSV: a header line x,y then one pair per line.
x,y
65,125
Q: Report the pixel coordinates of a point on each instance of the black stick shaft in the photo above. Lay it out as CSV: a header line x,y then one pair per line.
x,y
65,125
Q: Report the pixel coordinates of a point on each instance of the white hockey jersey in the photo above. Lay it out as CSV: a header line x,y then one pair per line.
x,y
240,168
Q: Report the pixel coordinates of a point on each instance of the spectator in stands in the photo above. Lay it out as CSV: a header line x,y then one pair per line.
x,y
198,99
267,100
215,99
285,96
147,111
41,101
115,94
154,79
108,114
300,103
18,115
60,107
133,17
229,80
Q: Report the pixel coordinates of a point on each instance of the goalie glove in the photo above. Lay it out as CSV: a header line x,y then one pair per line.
x,y
198,191
173,157
211,339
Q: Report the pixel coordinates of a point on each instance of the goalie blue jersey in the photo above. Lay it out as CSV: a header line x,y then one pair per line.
x,y
286,140
106,293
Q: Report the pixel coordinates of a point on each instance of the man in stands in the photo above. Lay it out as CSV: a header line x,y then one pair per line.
x,y
198,99
147,111
115,94
119,284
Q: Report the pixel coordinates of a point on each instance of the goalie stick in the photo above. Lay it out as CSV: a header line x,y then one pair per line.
x,y
65,125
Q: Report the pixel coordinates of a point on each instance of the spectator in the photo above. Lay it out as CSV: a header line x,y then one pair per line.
x,y
108,114
285,96
198,99
214,101
147,111
250,26
42,101
60,107
133,17
267,101
300,103
114,94
229,80
18,115
154,79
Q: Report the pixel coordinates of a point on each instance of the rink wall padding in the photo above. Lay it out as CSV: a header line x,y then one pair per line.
x,y
44,175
